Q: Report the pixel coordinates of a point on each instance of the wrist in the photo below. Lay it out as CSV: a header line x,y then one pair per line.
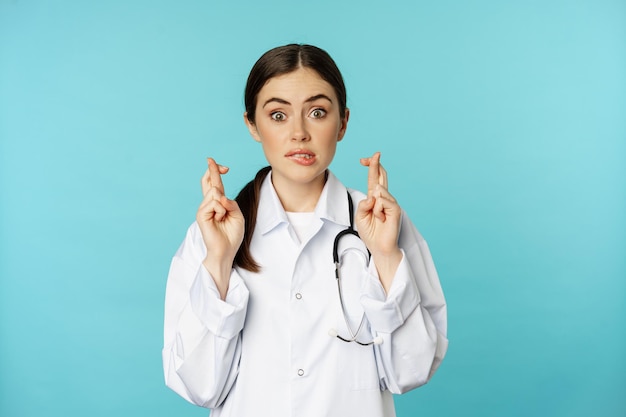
x,y
387,256
387,263
220,272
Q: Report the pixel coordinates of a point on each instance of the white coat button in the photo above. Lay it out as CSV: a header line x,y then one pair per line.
x,y
299,296
300,372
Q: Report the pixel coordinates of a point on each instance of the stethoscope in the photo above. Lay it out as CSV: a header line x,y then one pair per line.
x,y
353,334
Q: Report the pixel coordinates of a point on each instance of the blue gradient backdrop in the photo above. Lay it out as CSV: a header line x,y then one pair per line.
x,y
501,123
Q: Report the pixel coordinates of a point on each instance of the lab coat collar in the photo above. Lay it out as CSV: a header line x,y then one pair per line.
x,y
332,205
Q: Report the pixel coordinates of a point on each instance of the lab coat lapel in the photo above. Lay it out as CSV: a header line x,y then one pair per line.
x,y
333,202
270,212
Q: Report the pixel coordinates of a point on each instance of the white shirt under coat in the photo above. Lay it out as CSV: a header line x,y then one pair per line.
x,y
266,349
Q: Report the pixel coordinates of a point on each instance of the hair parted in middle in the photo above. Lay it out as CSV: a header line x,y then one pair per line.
x,y
286,59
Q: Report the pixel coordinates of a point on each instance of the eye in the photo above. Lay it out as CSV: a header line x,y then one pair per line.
x,y
278,116
318,113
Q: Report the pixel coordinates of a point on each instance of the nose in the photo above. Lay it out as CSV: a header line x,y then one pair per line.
x,y
300,132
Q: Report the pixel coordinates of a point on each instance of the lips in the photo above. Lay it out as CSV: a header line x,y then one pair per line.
x,y
301,156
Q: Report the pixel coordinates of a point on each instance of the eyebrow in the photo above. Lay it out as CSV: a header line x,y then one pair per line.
x,y
308,100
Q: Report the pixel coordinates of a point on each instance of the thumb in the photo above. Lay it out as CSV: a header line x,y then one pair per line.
x,y
365,206
229,205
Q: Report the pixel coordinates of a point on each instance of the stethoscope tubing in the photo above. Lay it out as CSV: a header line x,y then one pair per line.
x,y
348,231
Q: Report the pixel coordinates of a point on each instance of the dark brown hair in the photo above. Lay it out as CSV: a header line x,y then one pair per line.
x,y
273,63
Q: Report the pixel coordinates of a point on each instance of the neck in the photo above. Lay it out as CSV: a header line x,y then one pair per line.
x,y
299,197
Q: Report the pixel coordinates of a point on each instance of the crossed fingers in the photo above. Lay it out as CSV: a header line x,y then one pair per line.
x,y
212,178
376,175
377,184
214,199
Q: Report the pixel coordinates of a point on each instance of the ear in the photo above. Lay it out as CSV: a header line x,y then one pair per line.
x,y
251,128
344,125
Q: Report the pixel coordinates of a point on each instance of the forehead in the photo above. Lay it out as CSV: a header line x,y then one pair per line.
x,y
297,85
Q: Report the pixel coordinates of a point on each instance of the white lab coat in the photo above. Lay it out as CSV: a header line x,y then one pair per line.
x,y
266,349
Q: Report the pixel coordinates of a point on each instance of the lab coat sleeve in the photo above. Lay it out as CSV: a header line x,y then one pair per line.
x,y
202,333
411,320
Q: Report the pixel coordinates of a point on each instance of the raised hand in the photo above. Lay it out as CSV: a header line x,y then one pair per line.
x,y
221,224
378,221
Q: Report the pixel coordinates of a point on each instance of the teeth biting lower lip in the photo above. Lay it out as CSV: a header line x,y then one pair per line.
x,y
302,155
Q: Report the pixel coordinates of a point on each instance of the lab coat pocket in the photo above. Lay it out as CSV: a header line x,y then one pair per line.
x,y
357,365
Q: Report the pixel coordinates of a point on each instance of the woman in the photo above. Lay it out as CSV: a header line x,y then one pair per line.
x,y
255,321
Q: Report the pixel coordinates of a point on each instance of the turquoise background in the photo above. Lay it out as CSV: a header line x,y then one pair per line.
x,y
501,123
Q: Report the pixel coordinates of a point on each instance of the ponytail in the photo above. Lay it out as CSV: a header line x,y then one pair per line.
x,y
248,200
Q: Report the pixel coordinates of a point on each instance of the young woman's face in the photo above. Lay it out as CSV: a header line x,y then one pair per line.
x,y
298,124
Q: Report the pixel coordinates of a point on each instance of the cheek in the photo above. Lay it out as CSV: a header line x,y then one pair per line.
x,y
331,132
268,133
270,141
333,127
